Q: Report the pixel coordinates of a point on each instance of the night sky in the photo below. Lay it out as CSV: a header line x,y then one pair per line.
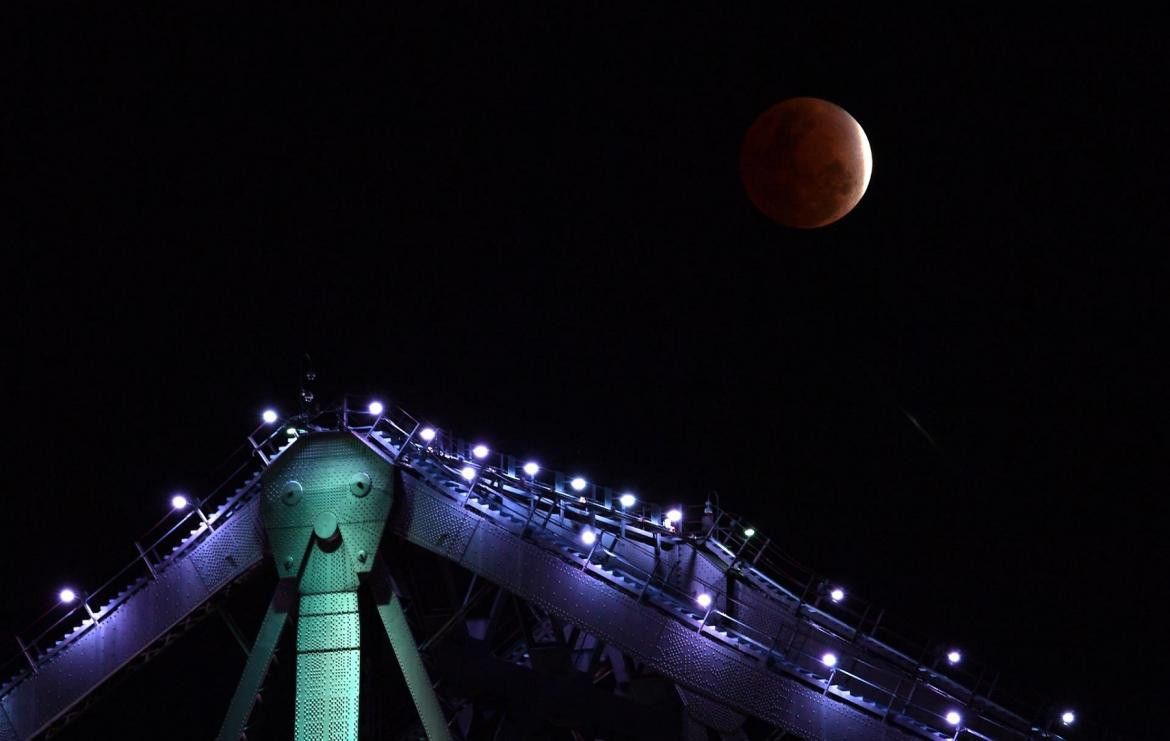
x,y
530,228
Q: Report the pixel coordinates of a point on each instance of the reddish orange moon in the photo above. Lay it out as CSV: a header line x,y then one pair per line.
x,y
805,162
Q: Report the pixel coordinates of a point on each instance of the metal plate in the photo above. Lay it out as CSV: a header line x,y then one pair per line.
x,y
131,628
327,695
330,469
218,558
430,518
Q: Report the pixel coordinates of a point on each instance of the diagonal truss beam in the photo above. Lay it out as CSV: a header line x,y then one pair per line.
x,y
409,659
259,659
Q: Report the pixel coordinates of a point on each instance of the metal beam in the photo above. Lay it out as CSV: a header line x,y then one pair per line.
x,y
328,667
410,661
259,659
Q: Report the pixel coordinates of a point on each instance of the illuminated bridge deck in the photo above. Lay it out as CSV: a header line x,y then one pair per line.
x,y
696,600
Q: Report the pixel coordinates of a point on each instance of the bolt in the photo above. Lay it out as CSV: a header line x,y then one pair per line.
x,y
288,563
361,556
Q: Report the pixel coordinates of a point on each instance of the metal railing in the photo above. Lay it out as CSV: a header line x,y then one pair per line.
x,y
168,540
873,643
792,600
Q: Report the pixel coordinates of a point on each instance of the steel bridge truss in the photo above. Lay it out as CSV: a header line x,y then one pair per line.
x,y
524,624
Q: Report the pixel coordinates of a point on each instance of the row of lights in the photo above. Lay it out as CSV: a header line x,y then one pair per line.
x,y
954,656
375,408
531,468
480,451
589,537
953,717
68,595
829,659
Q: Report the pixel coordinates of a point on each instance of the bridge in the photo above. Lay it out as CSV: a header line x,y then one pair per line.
x,y
554,587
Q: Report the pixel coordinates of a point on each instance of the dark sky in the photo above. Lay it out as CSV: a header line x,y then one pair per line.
x,y
530,228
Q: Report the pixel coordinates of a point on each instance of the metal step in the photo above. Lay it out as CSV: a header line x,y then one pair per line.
x,y
93,652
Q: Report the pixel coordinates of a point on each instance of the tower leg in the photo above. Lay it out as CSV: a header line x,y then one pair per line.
x,y
328,667
406,651
259,660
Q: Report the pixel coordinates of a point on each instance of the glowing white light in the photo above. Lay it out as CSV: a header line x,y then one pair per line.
x,y
837,594
749,532
829,659
674,515
269,416
291,432
376,408
480,451
67,595
179,501
427,434
578,484
588,537
468,473
954,718
627,500
1068,717
704,600
531,468
954,656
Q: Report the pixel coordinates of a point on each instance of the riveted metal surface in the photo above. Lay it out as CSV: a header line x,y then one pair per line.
x,y
7,731
218,558
710,713
680,653
327,695
259,659
288,548
327,604
433,522
417,681
360,532
347,490
291,492
697,662
743,684
329,572
143,618
359,484
329,467
328,632
562,588
328,667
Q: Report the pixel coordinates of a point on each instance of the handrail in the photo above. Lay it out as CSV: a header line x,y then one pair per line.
x,y
547,499
851,621
95,604
656,589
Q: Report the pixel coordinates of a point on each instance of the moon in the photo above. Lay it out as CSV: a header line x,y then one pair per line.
x,y
805,162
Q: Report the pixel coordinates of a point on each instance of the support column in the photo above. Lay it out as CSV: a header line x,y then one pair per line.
x,y
256,668
328,667
417,680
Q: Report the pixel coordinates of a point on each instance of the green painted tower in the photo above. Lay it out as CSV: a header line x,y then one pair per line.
x,y
324,505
